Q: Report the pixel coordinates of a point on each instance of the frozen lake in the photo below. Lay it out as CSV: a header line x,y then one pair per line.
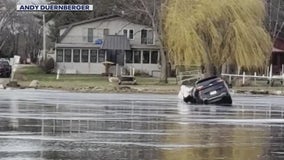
x,y
55,125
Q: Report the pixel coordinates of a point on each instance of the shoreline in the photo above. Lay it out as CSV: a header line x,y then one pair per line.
x,y
34,77
172,90
123,89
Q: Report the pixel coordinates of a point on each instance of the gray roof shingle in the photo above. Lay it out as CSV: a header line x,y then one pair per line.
x,y
116,42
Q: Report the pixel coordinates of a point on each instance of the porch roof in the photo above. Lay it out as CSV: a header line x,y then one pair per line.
x,y
76,45
116,42
145,46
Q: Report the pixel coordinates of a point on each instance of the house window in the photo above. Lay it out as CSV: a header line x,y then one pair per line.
x,y
150,37
106,31
101,56
90,34
85,55
129,57
111,56
137,57
67,55
146,56
143,36
147,36
94,56
59,55
154,57
125,32
131,34
76,55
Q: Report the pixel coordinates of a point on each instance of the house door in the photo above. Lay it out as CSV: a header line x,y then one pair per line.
x,y
120,57
116,56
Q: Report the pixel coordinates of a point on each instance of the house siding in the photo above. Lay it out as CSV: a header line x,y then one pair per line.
x,y
77,37
78,34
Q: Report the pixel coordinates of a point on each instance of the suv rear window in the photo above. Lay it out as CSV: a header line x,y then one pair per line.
x,y
5,63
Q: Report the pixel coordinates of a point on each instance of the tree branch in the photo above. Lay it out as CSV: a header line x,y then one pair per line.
x,y
281,27
2,44
277,20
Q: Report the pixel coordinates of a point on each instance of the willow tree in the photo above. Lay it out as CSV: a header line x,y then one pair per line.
x,y
211,32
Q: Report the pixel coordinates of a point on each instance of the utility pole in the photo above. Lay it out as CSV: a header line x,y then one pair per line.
x,y
44,39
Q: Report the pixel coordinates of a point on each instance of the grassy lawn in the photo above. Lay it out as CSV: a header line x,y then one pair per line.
x,y
76,82
70,82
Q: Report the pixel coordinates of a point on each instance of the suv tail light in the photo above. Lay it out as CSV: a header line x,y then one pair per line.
x,y
220,80
199,87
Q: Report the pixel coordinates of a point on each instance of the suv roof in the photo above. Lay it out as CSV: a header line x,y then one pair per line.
x,y
206,79
4,62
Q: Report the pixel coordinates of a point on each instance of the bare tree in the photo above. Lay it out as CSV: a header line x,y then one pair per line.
x,y
275,18
151,13
29,36
7,13
19,31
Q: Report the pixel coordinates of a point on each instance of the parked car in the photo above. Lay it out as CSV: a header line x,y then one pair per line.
x,y
212,90
5,69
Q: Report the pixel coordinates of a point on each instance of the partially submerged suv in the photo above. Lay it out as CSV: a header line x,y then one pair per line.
x,y
212,90
5,68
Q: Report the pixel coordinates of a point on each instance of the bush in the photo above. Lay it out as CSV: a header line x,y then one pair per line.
x,y
49,65
141,73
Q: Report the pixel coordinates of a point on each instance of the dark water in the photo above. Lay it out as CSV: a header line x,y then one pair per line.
x,y
49,125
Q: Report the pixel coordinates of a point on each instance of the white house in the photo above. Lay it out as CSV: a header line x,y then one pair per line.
x,y
84,46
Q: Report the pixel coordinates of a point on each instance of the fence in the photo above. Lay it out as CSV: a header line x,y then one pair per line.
x,y
194,75
269,76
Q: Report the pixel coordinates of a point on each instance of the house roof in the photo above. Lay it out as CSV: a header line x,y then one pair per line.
x,y
76,45
70,26
89,20
116,42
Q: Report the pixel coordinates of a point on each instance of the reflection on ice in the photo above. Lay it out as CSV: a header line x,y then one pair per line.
x,y
14,122
183,108
53,125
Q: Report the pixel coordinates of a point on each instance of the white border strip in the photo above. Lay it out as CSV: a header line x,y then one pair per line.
x,y
54,7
